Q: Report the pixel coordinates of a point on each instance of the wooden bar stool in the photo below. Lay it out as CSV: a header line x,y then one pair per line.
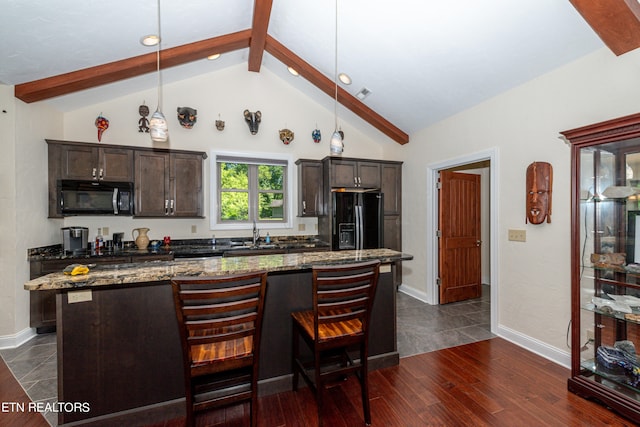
x,y
339,322
220,321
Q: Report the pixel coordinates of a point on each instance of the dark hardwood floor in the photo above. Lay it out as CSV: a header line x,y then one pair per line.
x,y
11,397
487,383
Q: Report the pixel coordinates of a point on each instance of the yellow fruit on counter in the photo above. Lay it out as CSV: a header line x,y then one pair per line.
x,y
75,269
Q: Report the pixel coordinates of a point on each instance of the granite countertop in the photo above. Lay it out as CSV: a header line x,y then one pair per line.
x,y
159,271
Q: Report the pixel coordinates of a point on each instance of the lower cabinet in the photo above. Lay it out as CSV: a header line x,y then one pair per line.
x,y
42,304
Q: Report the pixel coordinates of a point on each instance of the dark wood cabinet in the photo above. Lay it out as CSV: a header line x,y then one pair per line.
x,y
42,304
310,188
391,186
605,261
168,184
88,162
360,174
354,173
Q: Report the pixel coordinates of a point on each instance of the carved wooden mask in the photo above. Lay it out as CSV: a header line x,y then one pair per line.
x,y
539,186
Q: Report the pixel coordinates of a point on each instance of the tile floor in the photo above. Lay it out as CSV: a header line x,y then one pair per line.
x,y
421,328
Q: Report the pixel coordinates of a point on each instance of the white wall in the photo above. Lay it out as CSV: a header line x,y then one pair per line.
x,y
523,125
223,94
23,196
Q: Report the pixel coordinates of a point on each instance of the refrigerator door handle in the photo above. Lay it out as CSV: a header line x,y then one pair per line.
x,y
359,237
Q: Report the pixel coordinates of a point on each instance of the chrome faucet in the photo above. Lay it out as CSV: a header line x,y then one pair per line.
x,y
256,234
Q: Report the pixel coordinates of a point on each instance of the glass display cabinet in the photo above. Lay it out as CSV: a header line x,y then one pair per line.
x,y
605,263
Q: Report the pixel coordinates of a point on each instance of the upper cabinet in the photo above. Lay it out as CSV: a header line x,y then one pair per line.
x,y
310,187
391,186
168,184
94,163
351,173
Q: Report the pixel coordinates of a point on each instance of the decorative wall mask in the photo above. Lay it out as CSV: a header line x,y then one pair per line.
x,y
187,117
539,188
253,120
316,135
143,123
219,124
286,136
102,124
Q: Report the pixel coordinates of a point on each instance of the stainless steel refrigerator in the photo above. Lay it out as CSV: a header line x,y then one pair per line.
x,y
357,220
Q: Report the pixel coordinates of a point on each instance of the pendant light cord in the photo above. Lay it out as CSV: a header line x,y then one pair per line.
x,y
159,108
335,74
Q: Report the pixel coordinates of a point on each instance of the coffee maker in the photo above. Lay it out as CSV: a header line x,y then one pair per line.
x,y
75,239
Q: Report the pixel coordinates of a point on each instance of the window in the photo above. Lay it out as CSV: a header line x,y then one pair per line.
x,y
247,189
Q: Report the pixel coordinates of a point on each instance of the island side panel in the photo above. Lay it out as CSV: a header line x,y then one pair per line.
x,y
121,350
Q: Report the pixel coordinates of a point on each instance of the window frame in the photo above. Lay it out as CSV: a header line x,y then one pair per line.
x,y
252,158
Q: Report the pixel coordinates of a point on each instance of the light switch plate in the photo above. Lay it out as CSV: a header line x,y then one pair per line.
x,y
518,235
79,296
194,229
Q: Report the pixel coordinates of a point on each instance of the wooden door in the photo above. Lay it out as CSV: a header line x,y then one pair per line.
x,y
459,243
310,188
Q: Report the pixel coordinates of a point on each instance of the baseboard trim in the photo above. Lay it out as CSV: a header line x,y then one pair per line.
x,y
16,340
538,347
414,293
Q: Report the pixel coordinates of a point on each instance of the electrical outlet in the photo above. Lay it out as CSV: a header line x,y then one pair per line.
x,y
79,296
590,335
194,229
302,227
105,231
518,235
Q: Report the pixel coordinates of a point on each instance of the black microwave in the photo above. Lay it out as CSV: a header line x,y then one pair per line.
x,y
95,197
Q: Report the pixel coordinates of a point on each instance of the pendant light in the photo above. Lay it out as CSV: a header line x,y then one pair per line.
x,y
158,128
336,146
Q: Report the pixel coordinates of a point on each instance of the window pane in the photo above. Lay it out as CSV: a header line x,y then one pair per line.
x,y
271,207
234,176
270,177
234,206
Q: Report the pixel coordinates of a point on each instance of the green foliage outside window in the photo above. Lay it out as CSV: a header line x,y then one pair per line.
x,y
237,193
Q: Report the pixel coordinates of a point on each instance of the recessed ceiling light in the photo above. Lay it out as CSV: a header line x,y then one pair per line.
x,y
344,78
213,57
150,40
293,71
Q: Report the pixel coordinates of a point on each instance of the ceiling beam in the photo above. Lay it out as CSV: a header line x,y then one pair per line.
x,y
261,16
87,78
617,22
328,86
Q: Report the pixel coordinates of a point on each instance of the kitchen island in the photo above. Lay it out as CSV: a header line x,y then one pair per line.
x,y
118,343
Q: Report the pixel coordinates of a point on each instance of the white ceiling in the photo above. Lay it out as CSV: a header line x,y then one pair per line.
x,y
422,60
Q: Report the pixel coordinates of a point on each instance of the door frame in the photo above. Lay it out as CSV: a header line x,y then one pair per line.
x,y
433,170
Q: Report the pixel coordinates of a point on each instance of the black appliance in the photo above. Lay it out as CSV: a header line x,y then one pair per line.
x,y
357,220
95,197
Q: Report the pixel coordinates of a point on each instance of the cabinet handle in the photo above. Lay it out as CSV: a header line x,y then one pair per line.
x,y
304,207
101,173
173,211
359,182
355,181
166,206
93,173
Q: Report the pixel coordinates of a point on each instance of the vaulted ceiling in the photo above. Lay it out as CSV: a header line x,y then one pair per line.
x,y
421,60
